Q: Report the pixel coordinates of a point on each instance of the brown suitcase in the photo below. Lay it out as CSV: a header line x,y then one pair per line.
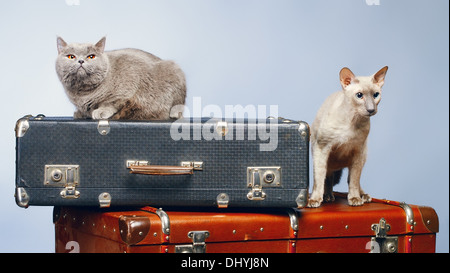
x,y
380,226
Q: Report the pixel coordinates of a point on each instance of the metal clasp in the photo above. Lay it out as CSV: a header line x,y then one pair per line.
x,y
67,176
198,243
382,243
262,177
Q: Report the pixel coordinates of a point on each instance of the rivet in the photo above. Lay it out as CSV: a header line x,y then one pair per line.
x,y
234,231
293,244
155,234
428,222
141,233
346,226
321,227
262,229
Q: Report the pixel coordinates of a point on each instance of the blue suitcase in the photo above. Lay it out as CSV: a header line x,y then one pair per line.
x,y
222,163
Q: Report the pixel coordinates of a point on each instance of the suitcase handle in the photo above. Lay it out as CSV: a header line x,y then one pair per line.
x,y
161,170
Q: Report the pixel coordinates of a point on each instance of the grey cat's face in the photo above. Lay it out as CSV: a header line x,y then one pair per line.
x,y
81,67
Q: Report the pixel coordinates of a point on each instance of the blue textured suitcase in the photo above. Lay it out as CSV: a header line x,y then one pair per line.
x,y
185,162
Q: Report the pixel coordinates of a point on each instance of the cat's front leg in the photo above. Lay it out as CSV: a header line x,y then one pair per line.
x,y
104,112
78,115
354,186
320,157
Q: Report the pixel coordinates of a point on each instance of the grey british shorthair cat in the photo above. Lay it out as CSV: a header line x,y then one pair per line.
x,y
119,84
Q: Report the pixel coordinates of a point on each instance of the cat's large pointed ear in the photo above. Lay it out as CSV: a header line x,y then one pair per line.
x,y
100,45
378,78
346,76
60,44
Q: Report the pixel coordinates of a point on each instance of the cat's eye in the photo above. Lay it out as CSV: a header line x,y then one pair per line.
x,y
376,95
92,56
359,95
70,56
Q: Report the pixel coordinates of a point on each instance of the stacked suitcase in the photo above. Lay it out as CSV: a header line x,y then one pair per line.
x,y
196,185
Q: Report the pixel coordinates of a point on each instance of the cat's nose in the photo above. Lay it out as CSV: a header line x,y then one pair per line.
x,y
81,61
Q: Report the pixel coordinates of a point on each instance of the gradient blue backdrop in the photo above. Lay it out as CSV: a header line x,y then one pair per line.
x,y
249,52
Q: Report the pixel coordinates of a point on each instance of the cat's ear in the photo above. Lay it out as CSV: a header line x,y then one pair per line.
x,y
100,45
378,78
60,44
346,76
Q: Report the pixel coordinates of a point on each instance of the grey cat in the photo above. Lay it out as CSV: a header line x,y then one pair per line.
x,y
119,84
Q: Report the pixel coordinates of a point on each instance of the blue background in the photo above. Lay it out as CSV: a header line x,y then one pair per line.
x,y
249,52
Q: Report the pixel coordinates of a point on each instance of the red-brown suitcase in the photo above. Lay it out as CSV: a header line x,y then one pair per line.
x,y
380,226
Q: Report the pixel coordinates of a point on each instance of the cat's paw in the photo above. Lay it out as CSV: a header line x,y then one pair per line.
x,y
312,203
355,201
78,115
103,113
366,198
328,198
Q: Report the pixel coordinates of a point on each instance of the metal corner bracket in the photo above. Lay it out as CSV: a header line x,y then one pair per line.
x,y
302,198
409,213
22,197
22,126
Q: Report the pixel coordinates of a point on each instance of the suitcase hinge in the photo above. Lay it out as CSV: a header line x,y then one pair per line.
x,y
104,200
222,200
103,127
198,243
382,243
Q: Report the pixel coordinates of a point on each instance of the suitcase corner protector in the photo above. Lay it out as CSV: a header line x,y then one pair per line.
x,y
302,198
22,126
22,197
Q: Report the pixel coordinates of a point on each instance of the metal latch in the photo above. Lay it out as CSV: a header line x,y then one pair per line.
x,y
66,176
382,243
198,243
262,177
